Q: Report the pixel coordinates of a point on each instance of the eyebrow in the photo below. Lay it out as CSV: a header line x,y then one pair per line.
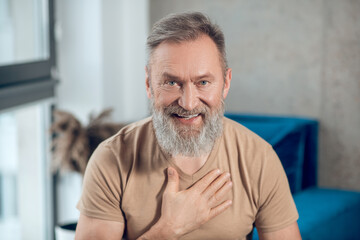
x,y
167,75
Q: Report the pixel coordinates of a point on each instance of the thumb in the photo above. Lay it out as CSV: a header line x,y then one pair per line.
x,y
173,180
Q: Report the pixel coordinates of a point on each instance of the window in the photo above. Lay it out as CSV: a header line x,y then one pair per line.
x,y
26,51
26,90
23,31
25,182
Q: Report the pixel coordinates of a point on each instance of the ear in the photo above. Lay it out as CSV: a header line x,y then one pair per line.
x,y
227,82
147,82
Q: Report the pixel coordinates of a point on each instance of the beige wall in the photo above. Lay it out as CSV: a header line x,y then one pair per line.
x,y
297,58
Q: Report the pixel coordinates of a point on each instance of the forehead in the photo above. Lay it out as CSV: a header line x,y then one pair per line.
x,y
198,56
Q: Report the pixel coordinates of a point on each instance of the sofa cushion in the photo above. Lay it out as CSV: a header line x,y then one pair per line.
x,y
327,214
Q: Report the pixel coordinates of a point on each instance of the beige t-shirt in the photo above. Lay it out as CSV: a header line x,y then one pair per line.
x,y
126,177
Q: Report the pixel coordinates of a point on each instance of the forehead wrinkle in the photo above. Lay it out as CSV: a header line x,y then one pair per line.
x,y
185,70
182,71
166,69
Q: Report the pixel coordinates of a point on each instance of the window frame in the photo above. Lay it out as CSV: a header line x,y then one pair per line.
x,y
30,81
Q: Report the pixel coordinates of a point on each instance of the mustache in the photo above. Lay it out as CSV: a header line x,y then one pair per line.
x,y
178,110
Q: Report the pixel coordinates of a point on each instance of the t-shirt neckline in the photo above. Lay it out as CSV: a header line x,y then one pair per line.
x,y
202,171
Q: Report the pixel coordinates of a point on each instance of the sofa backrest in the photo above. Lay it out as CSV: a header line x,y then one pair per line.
x,y
294,139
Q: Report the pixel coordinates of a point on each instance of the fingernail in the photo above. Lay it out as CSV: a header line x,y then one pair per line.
x,y
170,171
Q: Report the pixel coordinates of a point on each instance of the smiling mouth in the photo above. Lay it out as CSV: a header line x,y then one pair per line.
x,y
187,116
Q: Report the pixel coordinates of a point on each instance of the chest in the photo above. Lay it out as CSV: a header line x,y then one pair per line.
x,y
141,206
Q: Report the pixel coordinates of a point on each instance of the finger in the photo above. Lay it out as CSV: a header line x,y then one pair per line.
x,y
216,185
173,181
219,196
220,208
203,183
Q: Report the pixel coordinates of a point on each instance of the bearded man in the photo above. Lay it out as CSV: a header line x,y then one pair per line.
x,y
187,172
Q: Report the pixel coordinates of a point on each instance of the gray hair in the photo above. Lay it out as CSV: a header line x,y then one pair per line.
x,y
183,27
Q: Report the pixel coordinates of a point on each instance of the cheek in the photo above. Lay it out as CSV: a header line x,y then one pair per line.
x,y
165,98
212,98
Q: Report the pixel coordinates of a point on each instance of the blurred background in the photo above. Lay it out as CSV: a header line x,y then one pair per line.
x,y
289,58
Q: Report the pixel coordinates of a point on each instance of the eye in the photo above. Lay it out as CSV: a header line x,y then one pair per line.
x,y
171,83
203,82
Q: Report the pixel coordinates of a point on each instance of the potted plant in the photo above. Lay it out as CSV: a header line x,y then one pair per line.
x,y
72,146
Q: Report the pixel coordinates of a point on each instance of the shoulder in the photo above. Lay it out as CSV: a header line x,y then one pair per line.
x,y
120,148
117,155
144,124
243,137
130,134
253,154
135,128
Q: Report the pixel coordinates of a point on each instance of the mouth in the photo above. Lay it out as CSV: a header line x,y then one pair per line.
x,y
187,117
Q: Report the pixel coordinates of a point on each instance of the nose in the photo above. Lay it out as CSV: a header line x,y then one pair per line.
x,y
189,98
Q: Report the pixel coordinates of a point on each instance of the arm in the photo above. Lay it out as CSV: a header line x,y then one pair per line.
x,y
290,232
91,228
184,211
277,215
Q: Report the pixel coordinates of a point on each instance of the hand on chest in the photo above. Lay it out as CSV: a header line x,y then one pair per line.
x,y
142,203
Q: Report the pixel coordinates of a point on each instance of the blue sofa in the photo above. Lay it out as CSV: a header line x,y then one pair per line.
x,y
323,213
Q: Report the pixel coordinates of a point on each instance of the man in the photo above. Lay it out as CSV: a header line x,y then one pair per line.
x,y
187,172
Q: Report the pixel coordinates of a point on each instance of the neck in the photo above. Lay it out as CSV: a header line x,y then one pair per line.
x,y
190,165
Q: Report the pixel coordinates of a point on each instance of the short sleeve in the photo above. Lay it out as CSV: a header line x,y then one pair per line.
x,y
276,205
101,193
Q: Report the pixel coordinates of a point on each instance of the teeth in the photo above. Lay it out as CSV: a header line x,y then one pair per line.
x,y
188,117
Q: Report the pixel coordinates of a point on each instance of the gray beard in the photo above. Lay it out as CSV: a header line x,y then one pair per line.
x,y
187,141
